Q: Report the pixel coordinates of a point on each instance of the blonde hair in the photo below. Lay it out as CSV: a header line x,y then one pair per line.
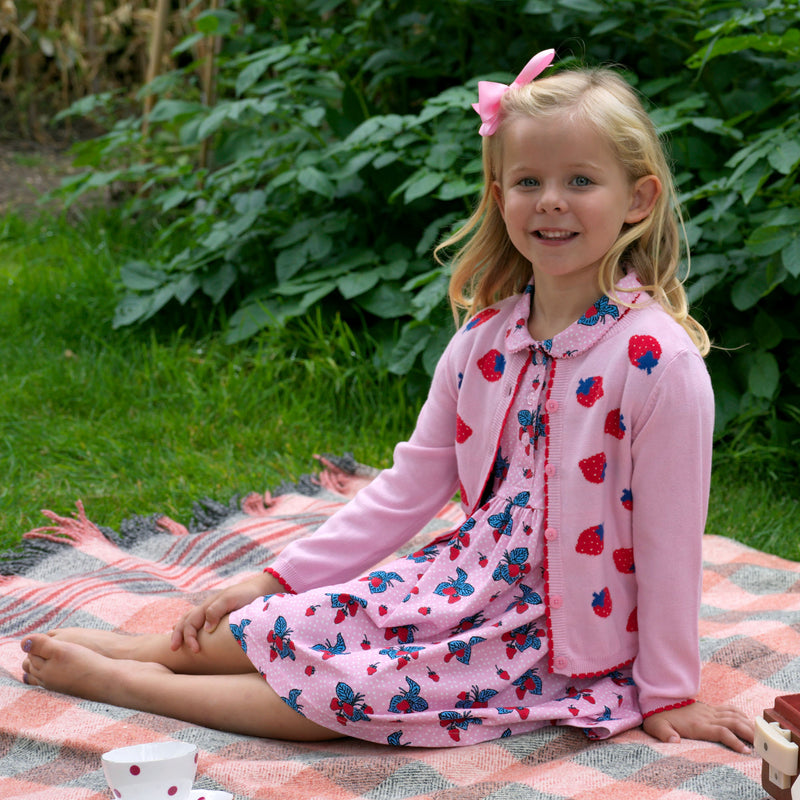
x,y
488,267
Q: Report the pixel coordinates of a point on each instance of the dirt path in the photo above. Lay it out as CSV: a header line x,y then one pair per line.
x,y
27,171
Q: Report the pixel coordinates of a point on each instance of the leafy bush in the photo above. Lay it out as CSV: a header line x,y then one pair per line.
x,y
344,147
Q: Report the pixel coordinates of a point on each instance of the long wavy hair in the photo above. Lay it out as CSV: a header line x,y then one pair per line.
x,y
486,267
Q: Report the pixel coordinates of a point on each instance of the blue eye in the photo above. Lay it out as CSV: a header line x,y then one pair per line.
x,y
528,182
581,180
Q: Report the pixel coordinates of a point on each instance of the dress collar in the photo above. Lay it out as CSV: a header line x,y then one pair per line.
x,y
582,334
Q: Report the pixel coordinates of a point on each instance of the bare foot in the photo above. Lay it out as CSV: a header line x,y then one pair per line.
x,y
105,643
70,668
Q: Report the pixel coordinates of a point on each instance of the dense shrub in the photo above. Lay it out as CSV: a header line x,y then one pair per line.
x,y
343,147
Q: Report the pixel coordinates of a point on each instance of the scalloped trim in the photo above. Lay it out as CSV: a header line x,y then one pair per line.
x,y
280,580
604,672
669,708
545,523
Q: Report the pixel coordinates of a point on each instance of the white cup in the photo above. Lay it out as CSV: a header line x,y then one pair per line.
x,y
155,771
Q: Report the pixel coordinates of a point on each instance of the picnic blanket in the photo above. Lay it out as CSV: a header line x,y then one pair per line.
x,y
141,578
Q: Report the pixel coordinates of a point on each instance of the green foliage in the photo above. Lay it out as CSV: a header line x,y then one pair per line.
x,y
344,147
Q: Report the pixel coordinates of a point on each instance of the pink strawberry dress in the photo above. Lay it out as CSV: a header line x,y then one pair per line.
x,y
447,645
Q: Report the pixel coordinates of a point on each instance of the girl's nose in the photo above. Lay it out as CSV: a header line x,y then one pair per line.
x,y
551,200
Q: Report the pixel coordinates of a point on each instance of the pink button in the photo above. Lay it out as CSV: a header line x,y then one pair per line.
x,y
561,663
551,406
556,601
549,470
550,534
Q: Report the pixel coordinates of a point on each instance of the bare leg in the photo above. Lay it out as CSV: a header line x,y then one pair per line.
x,y
219,652
239,701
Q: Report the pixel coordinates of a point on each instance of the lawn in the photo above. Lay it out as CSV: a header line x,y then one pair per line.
x,y
152,419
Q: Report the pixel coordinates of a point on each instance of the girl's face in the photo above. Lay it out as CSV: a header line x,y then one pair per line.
x,y
565,197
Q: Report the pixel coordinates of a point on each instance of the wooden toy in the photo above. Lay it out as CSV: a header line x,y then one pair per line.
x,y
777,742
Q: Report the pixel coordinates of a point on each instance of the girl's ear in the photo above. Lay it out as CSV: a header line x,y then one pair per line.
x,y
497,194
646,192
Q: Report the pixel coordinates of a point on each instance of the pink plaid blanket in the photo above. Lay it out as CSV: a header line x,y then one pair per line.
x,y
75,573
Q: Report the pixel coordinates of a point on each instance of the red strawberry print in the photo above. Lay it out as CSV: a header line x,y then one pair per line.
x,y
365,644
589,391
310,670
432,675
372,669
626,498
523,712
644,352
623,560
594,468
383,610
463,492
633,622
615,426
482,317
492,365
590,542
601,602
425,610
463,431
502,673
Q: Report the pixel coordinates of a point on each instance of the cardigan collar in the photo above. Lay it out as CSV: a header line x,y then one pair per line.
x,y
582,334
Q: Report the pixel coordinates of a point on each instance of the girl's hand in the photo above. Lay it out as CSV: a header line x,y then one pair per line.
x,y
209,613
724,724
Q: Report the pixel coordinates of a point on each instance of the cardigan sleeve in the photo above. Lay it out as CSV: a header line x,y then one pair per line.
x,y
391,509
671,481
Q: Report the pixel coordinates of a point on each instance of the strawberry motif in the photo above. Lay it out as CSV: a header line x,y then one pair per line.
x,y
589,391
644,352
492,365
623,560
633,622
590,542
483,316
626,498
594,468
463,431
615,426
601,602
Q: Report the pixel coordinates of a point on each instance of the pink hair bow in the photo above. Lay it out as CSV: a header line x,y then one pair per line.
x,y
490,92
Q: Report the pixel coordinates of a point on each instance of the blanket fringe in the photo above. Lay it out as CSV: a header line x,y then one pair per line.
x,y
257,505
68,530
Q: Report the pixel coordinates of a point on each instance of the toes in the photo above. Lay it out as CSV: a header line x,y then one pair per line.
x,y
31,680
37,644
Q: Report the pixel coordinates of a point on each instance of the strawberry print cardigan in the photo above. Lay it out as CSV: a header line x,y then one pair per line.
x,y
627,422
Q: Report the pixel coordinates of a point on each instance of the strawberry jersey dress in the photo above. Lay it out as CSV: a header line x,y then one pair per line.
x,y
447,645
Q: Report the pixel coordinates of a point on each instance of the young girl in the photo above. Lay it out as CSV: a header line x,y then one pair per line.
x,y
573,413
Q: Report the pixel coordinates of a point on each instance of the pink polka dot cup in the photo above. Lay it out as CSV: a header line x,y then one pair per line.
x,y
155,771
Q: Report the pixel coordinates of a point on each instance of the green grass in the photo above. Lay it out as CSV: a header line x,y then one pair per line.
x,y
139,421
130,421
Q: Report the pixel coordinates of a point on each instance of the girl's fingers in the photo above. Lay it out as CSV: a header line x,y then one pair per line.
x,y
662,730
